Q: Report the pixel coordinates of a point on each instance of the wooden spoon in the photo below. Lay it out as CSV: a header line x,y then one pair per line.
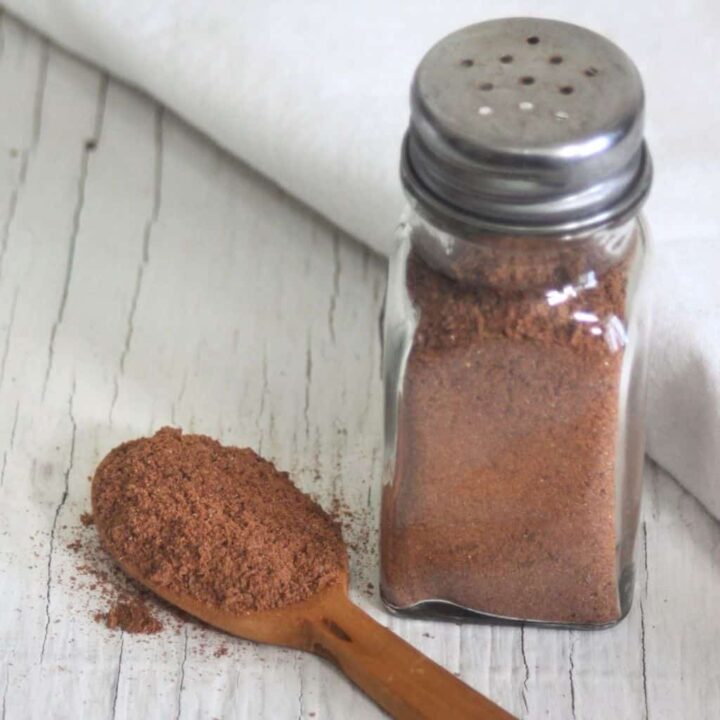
x,y
399,678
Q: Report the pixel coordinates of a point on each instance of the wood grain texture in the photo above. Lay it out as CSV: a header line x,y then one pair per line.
x,y
146,278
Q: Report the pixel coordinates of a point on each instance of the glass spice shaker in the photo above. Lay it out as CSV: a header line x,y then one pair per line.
x,y
515,331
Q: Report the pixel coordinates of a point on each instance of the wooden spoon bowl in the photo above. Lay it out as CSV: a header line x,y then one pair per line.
x,y
393,673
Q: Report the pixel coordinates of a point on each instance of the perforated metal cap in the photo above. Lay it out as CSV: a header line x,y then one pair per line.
x,y
527,125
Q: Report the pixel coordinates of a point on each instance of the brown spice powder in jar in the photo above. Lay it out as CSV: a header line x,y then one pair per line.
x,y
217,523
503,499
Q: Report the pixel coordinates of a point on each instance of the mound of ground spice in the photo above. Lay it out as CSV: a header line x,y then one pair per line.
x,y
219,524
131,615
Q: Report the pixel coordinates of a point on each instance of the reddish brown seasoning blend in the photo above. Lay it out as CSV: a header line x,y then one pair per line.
x,y
223,534
132,615
515,333
216,523
506,451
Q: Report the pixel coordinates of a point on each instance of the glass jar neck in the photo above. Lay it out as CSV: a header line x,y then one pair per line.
x,y
512,262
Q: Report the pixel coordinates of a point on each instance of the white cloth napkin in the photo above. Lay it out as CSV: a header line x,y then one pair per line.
x,y
314,95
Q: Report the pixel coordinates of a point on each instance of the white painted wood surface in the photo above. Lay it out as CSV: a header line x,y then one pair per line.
x,y
146,278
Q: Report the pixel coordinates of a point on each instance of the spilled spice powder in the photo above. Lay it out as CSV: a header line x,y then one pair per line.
x,y
219,524
131,615
129,607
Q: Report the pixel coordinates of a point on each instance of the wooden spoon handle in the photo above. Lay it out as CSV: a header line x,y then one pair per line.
x,y
399,678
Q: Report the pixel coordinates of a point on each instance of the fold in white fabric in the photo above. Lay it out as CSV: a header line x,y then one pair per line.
x,y
314,95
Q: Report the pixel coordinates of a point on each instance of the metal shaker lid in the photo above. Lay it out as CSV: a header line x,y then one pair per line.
x,y
529,126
